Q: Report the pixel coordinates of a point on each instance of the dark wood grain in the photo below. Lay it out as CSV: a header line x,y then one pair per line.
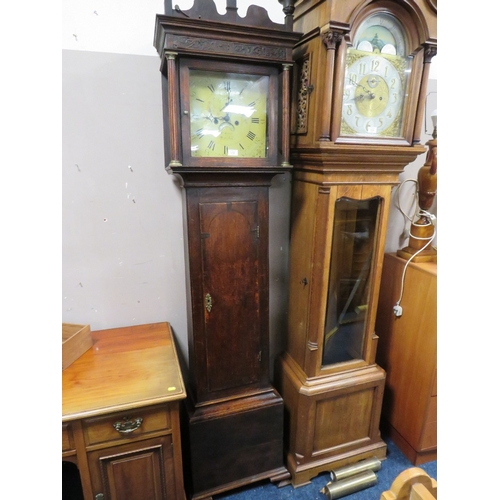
x,y
233,425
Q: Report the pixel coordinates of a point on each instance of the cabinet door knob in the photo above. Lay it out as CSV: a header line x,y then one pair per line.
x,y
128,425
99,496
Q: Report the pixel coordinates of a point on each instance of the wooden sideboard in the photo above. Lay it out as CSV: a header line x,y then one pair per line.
x,y
407,350
120,415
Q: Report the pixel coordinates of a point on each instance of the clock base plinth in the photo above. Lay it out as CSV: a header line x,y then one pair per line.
x,y
234,442
333,420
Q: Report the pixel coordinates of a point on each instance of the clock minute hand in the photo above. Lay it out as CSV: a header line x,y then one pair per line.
x,y
225,105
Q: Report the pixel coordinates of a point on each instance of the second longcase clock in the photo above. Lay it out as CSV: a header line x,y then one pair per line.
x,y
226,91
359,101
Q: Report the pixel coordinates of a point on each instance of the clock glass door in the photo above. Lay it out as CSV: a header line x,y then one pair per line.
x,y
354,236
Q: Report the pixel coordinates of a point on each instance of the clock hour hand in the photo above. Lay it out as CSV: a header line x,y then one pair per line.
x,y
217,119
371,95
210,116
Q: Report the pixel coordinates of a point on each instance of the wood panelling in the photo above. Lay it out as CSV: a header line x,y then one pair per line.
x,y
353,425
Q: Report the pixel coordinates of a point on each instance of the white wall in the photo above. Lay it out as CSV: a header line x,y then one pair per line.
x,y
121,213
127,27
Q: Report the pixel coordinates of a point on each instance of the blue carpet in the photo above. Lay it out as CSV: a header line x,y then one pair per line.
x,y
395,463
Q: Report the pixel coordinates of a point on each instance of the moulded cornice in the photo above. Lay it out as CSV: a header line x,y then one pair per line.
x,y
361,159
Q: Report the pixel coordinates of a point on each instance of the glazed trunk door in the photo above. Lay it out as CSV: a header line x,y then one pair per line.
x,y
230,260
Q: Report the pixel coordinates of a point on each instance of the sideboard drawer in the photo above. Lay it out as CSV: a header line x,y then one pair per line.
x,y
133,423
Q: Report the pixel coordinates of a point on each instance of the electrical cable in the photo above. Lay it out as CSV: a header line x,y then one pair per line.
x,y
398,204
397,309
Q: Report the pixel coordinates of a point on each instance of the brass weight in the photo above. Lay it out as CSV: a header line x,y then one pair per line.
x,y
338,489
373,464
352,478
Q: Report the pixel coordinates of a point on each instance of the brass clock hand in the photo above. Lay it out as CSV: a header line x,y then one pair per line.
x,y
370,93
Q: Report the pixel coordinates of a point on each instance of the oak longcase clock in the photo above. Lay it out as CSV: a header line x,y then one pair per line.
x,y
226,95
357,110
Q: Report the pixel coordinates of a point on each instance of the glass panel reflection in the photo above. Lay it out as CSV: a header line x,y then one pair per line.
x,y
354,232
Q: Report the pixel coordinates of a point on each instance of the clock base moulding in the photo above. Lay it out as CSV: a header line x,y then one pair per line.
x,y
344,409
234,443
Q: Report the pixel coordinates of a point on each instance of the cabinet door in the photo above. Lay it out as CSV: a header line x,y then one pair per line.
x,y
229,277
136,471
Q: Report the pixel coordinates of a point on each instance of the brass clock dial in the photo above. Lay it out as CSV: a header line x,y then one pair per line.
x,y
375,80
228,114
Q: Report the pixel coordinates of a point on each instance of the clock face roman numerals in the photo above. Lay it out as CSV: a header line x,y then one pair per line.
x,y
228,114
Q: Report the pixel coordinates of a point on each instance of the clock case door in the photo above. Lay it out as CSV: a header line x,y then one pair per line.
x,y
272,115
228,276
334,279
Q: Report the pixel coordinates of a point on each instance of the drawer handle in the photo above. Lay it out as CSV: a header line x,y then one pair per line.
x,y
128,425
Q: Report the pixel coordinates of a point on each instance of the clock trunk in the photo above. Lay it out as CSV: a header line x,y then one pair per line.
x,y
234,416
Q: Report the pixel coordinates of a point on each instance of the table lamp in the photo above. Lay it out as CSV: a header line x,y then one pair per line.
x,y
422,230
